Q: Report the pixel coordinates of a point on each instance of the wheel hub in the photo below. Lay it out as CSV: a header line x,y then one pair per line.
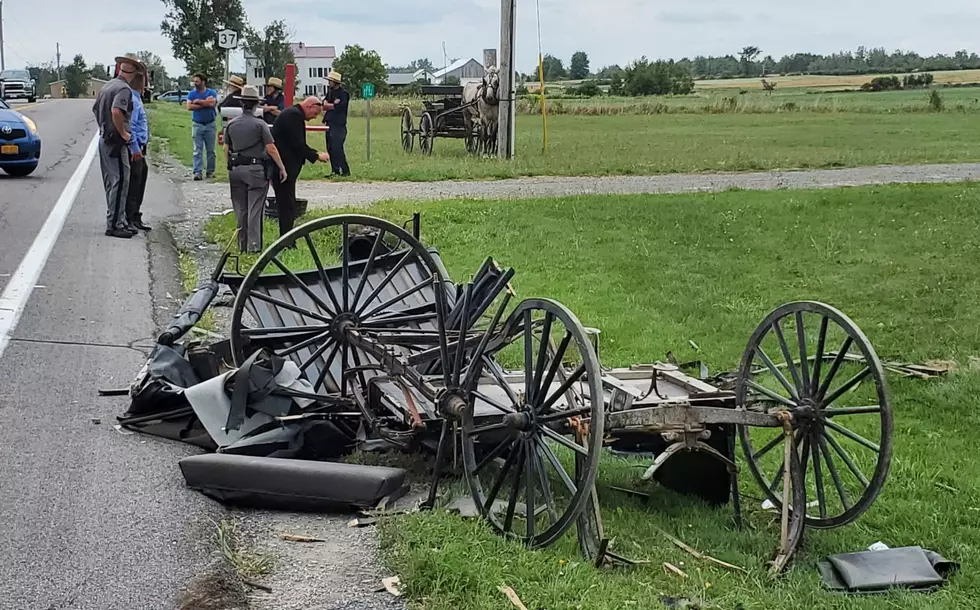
x,y
523,420
341,324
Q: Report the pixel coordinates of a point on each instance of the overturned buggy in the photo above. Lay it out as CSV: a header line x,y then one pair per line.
x,y
397,351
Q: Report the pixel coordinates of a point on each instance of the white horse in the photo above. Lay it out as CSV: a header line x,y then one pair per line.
x,y
485,112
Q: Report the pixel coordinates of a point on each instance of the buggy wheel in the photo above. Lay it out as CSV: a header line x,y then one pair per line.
x,y
532,437
427,134
842,418
474,139
334,278
407,130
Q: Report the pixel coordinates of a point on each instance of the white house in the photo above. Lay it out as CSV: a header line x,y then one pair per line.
x,y
312,66
466,70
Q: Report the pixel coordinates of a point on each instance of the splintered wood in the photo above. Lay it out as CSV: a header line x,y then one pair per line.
x,y
512,596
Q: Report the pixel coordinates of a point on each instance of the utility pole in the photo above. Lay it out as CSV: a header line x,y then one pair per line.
x,y
58,55
3,61
505,130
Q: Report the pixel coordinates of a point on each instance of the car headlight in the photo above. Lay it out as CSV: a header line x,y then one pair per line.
x,y
30,124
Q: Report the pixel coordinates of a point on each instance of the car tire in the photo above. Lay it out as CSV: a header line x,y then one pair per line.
x,y
20,171
31,100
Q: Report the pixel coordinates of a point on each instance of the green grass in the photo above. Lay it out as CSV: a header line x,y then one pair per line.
x,y
654,272
644,145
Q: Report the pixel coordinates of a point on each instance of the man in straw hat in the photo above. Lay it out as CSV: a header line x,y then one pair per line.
x,y
275,101
250,153
201,102
113,110
335,118
233,92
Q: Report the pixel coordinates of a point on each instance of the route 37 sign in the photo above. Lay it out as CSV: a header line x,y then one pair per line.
x,y
227,39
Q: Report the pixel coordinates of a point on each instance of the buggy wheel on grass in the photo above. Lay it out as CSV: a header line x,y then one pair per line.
x,y
407,130
524,432
811,360
427,133
311,294
473,139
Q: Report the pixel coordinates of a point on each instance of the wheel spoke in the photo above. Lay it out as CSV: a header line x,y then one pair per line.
x,y
302,286
478,430
303,344
322,272
312,329
515,490
294,308
847,387
839,411
493,403
838,360
473,374
343,367
528,358
368,266
771,394
777,373
788,357
804,366
326,367
501,477
314,356
568,383
545,344
384,282
398,297
357,364
555,364
345,265
564,441
494,454
847,459
549,496
464,323
558,415
818,355
441,327
841,492
854,436
556,464
767,448
529,474
498,375
818,480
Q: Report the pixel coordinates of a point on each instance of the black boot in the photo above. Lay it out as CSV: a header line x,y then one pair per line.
x,y
118,233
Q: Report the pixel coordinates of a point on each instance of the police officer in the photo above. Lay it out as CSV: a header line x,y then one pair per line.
x,y
251,155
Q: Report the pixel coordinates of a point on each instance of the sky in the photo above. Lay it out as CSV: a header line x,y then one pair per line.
x,y
613,32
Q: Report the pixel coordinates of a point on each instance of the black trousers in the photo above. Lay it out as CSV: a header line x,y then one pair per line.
x,y
138,174
336,137
286,199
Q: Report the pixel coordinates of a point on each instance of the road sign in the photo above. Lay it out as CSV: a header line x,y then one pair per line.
x,y
367,91
227,39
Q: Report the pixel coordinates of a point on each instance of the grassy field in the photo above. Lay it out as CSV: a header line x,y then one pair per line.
x,y
655,272
817,81
645,145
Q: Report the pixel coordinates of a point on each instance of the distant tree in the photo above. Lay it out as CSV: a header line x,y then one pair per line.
x,y
157,71
554,69
271,48
76,77
578,68
450,80
747,57
192,27
100,71
184,82
616,86
657,78
608,72
358,67
588,88
422,64
44,75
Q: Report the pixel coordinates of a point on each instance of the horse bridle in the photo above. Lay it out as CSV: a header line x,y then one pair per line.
x,y
484,85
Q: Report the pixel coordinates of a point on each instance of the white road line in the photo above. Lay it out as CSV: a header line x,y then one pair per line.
x,y
24,280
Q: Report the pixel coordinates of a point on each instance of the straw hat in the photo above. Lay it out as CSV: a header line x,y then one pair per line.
x,y
335,77
274,82
236,81
249,94
131,59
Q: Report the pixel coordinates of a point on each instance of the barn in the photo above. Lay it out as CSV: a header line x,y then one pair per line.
x,y
465,70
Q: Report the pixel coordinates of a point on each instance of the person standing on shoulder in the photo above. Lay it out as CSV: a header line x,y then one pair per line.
x,y
139,170
275,101
335,118
289,133
250,152
113,110
201,101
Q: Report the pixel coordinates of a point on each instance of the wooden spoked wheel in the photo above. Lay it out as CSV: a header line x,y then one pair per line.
x,y
810,360
532,437
407,130
427,133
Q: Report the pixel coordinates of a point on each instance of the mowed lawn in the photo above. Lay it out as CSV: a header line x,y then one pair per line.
x,y
643,145
657,272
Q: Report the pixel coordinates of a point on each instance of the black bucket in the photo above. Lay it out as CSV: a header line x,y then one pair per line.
x,y
272,210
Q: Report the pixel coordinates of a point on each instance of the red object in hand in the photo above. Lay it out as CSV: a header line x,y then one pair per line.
x,y
221,138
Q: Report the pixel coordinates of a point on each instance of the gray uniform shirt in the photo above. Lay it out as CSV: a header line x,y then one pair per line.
x,y
115,94
248,135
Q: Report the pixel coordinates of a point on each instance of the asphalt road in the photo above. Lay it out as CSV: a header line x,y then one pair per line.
x,y
90,519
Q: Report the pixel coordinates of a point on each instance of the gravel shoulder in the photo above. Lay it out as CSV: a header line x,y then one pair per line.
x,y
335,194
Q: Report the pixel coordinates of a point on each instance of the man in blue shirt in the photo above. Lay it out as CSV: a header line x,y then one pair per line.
x,y
139,137
201,101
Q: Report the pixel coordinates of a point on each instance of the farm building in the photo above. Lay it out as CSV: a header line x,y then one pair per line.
x,y
92,88
312,66
465,70
398,80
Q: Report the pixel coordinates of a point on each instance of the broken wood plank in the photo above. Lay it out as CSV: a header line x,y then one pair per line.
x,y
512,596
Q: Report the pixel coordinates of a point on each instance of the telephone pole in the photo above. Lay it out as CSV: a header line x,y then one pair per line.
x,y
58,55
3,62
505,124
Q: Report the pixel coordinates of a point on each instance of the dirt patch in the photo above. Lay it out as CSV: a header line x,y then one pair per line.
x,y
217,588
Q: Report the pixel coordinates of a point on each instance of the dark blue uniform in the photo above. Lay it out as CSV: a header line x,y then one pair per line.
x,y
336,120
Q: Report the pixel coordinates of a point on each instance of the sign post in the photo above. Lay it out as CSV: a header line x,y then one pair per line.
x,y
367,92
227,40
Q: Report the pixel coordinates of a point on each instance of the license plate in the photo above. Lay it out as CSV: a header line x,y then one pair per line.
x,y
9,149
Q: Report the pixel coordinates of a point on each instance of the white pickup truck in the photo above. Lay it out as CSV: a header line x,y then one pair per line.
x,y
17,84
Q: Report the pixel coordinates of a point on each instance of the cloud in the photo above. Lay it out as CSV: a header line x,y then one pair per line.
x,y
381,13
129,27
685,18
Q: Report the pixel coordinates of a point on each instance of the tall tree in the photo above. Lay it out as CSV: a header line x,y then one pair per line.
x,y
192,27
44,75
747,57
271,48
422,64
553,67
358,66
76,77
155,68
578,69
100,71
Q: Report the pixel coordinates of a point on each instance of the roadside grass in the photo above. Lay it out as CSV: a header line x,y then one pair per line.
x,y
245,563
644,145
655,272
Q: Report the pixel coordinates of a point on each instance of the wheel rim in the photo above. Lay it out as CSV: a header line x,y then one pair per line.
x,y
842,423
426,134
408,140
529,431
385,283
